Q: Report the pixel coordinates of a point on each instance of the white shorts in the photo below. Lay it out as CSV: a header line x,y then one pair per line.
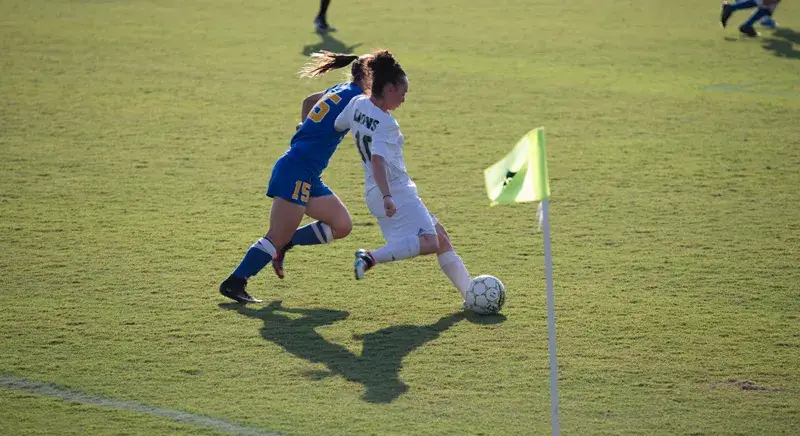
x,y
412,217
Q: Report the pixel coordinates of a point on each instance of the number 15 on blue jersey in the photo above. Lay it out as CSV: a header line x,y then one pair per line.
x,y
323,107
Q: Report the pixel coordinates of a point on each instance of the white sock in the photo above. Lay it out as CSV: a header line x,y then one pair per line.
x,y
326,235
453,267
397,250
266,246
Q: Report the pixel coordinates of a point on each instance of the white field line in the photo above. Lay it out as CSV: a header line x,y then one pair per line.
x,y
53,391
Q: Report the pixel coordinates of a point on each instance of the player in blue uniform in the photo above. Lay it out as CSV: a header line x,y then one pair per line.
x,y
764,10
295,184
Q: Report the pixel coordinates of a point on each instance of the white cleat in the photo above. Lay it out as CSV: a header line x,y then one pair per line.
x,y
359,268
362,263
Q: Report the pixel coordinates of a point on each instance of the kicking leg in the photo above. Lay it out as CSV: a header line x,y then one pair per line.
x,y
451,263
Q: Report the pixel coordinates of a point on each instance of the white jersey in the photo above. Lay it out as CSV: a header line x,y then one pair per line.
x,y
377,133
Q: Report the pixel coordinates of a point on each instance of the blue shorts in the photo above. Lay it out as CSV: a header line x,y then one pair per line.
x,y
293,182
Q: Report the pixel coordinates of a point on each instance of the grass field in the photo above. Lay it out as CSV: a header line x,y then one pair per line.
x,y
137,137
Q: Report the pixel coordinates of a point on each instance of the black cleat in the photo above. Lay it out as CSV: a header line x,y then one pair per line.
x,y
321,25
749,31
234,288
727,11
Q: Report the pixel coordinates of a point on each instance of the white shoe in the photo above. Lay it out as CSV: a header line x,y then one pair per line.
x,y
362,263
359,269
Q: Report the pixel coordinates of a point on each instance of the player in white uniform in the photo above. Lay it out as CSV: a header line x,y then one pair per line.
x,y
391,196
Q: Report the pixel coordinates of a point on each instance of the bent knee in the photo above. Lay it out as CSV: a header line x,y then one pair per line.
x,y
342,226
278,238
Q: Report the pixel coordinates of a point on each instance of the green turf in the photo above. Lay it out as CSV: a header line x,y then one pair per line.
x,y
29,414
136,139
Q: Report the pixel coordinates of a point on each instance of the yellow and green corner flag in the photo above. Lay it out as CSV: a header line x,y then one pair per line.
x,y
521,176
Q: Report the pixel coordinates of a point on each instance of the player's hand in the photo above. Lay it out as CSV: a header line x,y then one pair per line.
x,y
388,206
297,127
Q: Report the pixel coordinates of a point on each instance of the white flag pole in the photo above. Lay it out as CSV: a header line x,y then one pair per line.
x,y
544,220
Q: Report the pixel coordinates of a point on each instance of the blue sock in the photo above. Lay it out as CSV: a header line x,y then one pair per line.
x,y
757,15
256,258
312,234
743,4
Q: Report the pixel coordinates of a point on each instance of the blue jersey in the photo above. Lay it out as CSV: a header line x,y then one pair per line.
x,y
316,140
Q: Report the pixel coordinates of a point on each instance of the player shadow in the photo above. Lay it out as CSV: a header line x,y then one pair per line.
x,y
788,34
781,42
329,43
378,366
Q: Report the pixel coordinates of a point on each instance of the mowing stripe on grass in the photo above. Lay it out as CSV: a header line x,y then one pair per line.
x,y
748,88
53,391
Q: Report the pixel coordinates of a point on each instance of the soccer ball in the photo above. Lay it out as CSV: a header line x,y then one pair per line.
x,y
485,295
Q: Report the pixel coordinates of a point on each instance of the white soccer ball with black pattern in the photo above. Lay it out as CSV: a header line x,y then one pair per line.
x,y
485,295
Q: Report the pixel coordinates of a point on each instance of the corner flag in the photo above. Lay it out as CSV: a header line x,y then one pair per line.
x,y
521,176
